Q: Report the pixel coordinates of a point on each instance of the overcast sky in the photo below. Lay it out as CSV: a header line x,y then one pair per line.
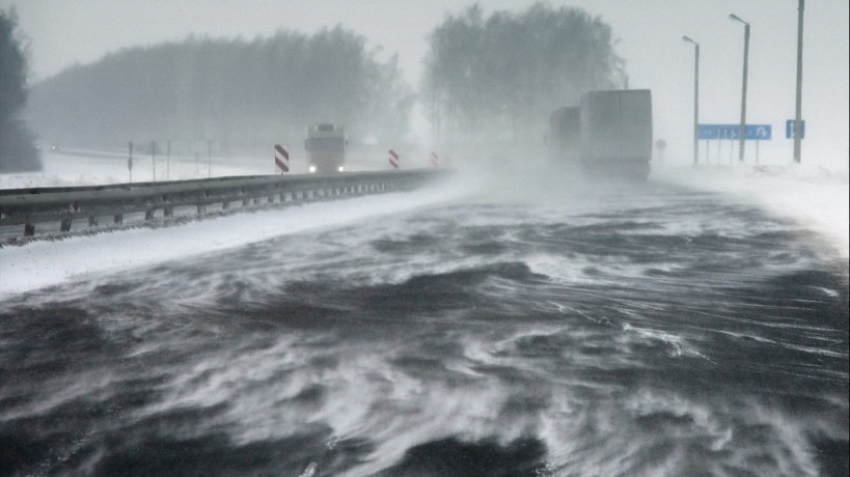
x,y
64,32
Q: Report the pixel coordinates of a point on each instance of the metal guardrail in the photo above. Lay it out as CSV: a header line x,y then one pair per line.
x,y
35,211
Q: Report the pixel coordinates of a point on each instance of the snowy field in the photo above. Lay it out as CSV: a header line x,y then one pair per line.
x,y
70,168
814,196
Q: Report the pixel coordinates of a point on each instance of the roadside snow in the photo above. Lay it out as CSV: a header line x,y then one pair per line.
x,y
41,264
91,168
817,198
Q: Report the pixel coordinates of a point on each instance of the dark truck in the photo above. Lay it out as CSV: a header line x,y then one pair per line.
x,y
565,134
612,137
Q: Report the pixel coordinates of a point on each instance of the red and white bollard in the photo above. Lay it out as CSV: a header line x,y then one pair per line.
x,y
281,158
393,159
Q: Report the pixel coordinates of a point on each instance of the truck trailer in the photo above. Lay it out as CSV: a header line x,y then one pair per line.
x,y
612,136
565,134
616,133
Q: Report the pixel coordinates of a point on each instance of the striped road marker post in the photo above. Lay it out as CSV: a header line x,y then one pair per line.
x,y
281,158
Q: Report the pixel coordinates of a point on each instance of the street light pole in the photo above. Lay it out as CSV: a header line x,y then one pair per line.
x,y
696,98
798,115
742,129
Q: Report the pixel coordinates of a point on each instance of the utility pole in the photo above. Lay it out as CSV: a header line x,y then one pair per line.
x,y
696,98
799,114
742,129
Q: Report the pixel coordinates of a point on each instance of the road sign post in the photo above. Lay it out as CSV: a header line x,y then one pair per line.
x,y
731,132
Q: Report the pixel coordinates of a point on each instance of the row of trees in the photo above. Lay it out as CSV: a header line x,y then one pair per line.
x,y
493,77
17,148
502,75
239,92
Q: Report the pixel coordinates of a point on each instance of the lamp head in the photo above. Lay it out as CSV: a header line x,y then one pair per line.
x,y
737,18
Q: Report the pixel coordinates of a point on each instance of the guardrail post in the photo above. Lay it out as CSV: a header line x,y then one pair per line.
x,y
225,205
202,209
149,214
29,230
118,218
168,212
65,225
92,221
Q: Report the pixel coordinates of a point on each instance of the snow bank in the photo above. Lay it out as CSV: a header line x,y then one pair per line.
x,y
41,264
816,197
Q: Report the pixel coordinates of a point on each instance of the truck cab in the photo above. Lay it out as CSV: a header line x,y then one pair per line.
x,y
325,147
564,137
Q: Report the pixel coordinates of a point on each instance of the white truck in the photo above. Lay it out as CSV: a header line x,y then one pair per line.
x,y
616,133
325,147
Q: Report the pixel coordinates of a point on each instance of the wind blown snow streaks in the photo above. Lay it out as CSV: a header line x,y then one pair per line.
x,y
654,332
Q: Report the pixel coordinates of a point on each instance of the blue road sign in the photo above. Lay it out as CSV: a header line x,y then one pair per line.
x,y
754,132
717,131
789,129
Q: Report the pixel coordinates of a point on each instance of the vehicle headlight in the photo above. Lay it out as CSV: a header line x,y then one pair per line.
x,y
312,168
341,168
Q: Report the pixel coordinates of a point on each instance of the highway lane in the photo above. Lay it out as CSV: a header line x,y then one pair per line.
x,y
558,329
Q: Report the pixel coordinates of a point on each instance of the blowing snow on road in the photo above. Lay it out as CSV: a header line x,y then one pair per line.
x,y
621,330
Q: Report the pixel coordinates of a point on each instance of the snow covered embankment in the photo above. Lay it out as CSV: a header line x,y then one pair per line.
x,y
817,198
